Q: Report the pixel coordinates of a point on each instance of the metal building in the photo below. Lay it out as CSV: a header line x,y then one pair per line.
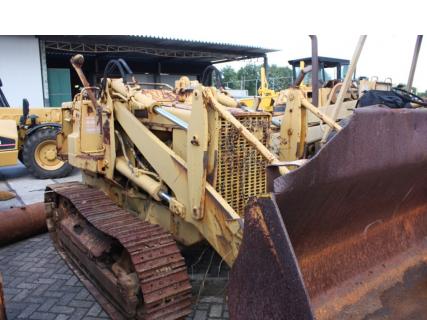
x,y
38,68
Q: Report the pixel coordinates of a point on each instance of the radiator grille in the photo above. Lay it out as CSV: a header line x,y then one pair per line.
x,y
241,168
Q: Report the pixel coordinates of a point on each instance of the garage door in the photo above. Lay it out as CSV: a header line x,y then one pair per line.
x,y
59,86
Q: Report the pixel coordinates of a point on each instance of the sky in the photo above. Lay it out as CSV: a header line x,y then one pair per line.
x,y
391,26
384,56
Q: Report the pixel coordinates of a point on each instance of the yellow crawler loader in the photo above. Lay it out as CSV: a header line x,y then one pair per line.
x,y
340,237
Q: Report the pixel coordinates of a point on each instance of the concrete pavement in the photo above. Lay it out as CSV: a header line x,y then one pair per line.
x,y
27,188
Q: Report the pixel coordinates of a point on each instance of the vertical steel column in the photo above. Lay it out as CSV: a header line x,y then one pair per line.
x,y
43,66
265,64
346,83
414,62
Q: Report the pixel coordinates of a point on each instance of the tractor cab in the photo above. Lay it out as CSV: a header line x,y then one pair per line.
x,y
331,74
330,70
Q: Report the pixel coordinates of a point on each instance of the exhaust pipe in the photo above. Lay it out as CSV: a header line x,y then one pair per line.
x,y
314,71
20,223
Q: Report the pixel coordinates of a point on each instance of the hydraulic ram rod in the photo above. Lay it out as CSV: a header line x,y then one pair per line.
x,y
171,117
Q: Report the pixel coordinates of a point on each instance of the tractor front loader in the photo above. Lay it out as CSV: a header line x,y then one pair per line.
x,y
344,227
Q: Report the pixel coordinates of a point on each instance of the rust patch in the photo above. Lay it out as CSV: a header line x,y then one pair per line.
x,y
160,95
106,132
407,299
361,201
90,156
265,282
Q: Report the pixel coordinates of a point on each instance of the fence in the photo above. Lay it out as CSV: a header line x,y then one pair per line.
x,y
252,85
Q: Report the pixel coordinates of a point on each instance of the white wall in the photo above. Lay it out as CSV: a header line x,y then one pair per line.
x,y
20,70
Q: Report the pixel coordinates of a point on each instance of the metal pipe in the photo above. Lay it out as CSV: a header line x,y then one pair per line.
x,y
21,223
414,62
171,117
314,71
77,62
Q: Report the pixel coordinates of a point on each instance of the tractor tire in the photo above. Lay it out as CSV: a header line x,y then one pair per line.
x,y
39,155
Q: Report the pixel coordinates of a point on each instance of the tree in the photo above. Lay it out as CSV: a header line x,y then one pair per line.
x,y
230,77
279,77
248,77
250,73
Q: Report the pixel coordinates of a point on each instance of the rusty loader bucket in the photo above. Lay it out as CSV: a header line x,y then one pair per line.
x,y
343,236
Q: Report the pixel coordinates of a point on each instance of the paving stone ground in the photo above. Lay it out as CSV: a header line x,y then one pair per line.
x,y
38,284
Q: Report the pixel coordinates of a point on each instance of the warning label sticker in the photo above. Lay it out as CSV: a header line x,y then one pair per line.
x,y
91,125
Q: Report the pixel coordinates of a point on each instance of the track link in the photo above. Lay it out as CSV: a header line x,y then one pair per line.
x,y
164,287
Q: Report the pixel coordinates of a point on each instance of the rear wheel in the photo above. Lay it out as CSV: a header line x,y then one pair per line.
x,y
40,157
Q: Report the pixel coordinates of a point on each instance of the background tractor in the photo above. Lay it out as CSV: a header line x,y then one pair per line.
x,y
30,136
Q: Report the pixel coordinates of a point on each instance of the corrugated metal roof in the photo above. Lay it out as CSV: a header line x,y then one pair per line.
x,y
213,50
204,44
